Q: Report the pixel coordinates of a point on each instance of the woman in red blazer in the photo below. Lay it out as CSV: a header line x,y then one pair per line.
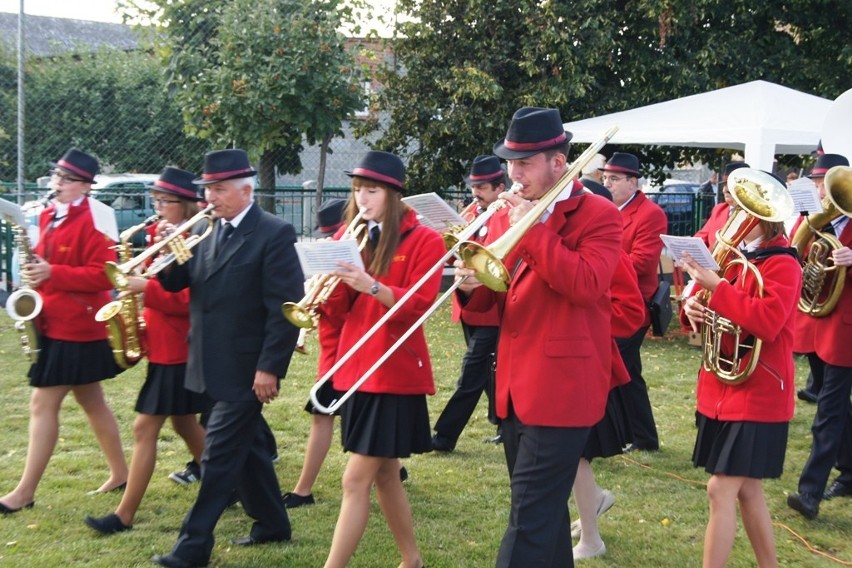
x,y
742,428
68,273
163,395
387,418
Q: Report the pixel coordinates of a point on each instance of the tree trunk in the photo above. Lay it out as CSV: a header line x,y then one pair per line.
x,y
266,182
321,172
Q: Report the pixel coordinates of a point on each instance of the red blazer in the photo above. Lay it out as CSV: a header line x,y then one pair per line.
x,y
768,394
803,339
628,312
644,222
459,313
78,285
718,218
408,370
832,333
554,355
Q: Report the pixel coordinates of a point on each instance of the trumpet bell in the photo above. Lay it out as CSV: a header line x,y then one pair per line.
x,y
490,270
760,194
297,315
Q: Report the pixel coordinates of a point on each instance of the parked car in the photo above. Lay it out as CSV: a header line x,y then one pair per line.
x,y
129,196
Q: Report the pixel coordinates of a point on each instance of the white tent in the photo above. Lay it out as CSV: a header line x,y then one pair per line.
x,y
759,117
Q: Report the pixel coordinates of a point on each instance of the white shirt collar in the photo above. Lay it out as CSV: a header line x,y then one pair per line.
x,y
623,205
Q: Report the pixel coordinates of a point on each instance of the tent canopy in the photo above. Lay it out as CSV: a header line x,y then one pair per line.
x,y
760,118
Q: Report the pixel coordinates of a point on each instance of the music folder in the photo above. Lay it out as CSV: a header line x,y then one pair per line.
x,y
434,212
322,257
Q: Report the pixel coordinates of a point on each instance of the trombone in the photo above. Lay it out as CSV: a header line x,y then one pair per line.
x,y
467,233
487,262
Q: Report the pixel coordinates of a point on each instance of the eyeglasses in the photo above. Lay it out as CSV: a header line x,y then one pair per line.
x,y
64,178
162,201
613,179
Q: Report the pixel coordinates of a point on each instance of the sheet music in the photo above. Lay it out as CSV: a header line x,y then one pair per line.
x,y
676,246
805,196
321,257
12,213
433,211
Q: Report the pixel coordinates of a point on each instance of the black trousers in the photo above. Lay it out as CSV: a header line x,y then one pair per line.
x,y
814,383
235,458
542,464
475,372
635,393
831,429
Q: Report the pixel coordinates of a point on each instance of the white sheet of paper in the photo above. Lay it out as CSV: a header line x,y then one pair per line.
x,y
321,257
805,196
11,213
433,211
676,246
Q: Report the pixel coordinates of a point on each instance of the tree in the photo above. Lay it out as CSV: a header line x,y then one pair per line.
x,y
263,75
463,66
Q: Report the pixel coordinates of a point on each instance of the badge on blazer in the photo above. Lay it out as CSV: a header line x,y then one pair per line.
x,y
483,231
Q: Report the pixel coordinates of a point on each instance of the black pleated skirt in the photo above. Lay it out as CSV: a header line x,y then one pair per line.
x,y
72,363
608,437
747,449
327,395
386,425
163,393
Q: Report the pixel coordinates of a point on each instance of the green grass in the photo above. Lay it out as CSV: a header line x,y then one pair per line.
x,y
460,501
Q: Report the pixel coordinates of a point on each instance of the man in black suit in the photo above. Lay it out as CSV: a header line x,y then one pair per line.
x,y
239,346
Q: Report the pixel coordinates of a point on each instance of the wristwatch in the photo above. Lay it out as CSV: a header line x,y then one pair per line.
x,y
374,289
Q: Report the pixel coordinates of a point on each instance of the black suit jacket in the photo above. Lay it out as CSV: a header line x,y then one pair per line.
x,y
236,324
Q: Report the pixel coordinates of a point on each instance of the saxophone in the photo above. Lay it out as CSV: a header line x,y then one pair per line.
x,y
123,317
25,304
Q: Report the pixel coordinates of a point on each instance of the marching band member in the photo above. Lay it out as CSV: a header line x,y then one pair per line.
x,y
720,213
487,180
75,356
742,428
387,418
163,395
554,354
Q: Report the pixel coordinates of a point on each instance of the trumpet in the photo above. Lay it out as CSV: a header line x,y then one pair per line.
x,y
488,261
469,230
175,248
319,287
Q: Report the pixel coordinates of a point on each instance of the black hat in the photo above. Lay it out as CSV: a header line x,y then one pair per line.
x,y
221,165
484,169
177,182
329,217
381,166
596,188
78,163
624,163
825,162
731,167
532,130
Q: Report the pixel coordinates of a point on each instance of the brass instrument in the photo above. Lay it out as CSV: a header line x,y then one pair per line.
x,y
822,280
319,287
462,233
757,196
488,261
125,324
172,248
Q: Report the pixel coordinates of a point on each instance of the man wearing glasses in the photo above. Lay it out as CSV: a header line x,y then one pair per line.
x,y
644,222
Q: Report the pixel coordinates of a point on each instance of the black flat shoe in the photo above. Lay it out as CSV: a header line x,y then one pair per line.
x,y
806,395
172,561
109,524
115,489
293,500
6,510
403,474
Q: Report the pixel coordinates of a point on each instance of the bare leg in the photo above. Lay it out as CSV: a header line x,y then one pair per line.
x,y
188,428
397,512
45,403
319,442
758,523
722,492
91,399
357,483
587,495
146,428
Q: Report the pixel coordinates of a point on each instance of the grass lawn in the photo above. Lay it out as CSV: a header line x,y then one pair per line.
x,y
460,501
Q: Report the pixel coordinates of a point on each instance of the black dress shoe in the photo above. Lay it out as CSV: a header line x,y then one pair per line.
x,y
442,444
6,510
403,474
172,561
805,503
251,541
806,395
109,524
498,439
293,500
837,489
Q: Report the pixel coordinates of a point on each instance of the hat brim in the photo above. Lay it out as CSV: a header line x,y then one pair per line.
x,y
504,153
626,171
161,189
203,181
386,180
64,169
485,179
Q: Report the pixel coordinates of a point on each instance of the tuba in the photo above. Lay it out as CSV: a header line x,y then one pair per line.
x,y
125,324
822,280
758,196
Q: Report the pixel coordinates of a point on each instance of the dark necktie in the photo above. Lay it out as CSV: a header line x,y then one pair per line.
x,y
375,233
224,234
830,230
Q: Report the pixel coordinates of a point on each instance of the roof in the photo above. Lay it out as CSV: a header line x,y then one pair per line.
x,y
45,36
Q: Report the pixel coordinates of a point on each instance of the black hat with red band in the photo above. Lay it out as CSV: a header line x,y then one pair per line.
x,y
484,169
825,162
381,166
78,163
622,162
532,130
177,182
221,165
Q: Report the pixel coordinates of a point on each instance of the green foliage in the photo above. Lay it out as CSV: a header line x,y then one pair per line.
x,y
468,65
263,75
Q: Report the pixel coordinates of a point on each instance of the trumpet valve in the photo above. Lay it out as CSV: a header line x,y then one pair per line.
x,y
180,250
